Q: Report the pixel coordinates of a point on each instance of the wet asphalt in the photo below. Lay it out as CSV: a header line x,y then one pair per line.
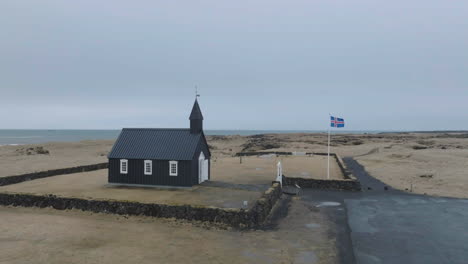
x,y
384,225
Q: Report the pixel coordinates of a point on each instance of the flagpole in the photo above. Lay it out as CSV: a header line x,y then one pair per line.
x,y
328,161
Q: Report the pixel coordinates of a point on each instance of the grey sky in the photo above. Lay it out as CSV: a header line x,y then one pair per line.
x,y
399,65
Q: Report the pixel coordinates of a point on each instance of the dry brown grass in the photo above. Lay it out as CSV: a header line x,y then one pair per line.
x,y
93,185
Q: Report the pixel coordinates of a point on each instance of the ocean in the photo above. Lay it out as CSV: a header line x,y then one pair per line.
x,y
36,136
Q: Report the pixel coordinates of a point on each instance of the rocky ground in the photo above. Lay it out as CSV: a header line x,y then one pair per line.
x,y
432,163
425,163
15,160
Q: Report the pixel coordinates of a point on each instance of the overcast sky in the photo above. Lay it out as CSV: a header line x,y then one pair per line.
x,y
399,65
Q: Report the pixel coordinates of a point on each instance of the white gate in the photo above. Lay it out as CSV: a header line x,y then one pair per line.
x,y
279,174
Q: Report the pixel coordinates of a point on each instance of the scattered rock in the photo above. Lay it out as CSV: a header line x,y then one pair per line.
x,y
212,147
426,142
455,135
310,142
260,142
426,176
372,151
217,137
399,156
33,151
418,147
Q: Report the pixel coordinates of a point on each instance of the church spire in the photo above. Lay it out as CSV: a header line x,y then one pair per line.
x,y
196,119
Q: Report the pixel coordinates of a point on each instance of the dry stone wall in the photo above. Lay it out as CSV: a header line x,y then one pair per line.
x,y
349,183
239,218
341,185
43,174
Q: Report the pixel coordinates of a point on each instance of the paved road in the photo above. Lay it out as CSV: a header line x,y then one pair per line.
x,y
408,229
390,226
331,204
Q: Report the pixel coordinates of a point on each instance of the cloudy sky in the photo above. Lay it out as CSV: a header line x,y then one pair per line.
x,y
266,64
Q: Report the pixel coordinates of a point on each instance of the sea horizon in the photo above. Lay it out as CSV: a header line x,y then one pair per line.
x,y
38,136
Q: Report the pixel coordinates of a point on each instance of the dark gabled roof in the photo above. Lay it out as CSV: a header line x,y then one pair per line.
x,y
152,143
196,112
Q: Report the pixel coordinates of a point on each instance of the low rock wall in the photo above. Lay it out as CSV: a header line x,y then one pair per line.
x,y
240,218
259,153
43,174
263,206
285,153
342,185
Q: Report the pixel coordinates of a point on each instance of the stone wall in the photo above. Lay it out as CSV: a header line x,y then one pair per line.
x,y
342,185
263,206
240,218
285,153
349,183
346,173
43,174
259,153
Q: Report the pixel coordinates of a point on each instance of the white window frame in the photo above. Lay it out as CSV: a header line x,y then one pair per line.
x,y
173,162
122,171
150,172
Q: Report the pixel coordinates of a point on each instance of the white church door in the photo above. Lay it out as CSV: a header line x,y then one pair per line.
x,y
205,170
202,168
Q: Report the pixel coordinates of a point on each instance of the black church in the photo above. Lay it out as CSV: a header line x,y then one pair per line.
x,y
161,156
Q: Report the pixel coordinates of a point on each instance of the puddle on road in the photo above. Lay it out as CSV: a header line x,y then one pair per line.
x,y
312,225
328,204
256,257
306,257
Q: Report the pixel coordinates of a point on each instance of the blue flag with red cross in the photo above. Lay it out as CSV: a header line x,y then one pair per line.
x,y
336,122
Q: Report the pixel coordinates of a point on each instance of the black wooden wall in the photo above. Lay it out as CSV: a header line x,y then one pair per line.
x,y
187,171
160,174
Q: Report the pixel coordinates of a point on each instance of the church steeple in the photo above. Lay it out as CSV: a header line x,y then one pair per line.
x,y
196,119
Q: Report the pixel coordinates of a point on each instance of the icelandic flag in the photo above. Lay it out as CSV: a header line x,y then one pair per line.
x,y
336,122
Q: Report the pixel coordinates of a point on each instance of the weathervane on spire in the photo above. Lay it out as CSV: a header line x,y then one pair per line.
x,y
196,92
